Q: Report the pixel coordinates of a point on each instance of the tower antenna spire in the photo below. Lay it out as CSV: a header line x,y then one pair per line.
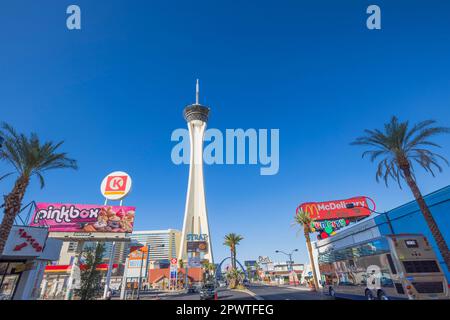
x,y
197,92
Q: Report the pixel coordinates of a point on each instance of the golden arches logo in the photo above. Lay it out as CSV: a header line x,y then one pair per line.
x,y
311,209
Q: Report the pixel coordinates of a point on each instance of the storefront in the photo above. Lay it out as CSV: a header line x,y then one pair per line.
x,y
54,284
27,251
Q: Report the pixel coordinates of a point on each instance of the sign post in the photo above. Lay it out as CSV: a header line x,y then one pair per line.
x,y
173,273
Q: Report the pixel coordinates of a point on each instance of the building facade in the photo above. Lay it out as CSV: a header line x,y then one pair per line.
x,y
27,252
164,244
404,219
409,219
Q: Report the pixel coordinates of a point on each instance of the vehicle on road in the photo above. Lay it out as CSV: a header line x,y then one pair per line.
x,y
208,292
193,289
402,266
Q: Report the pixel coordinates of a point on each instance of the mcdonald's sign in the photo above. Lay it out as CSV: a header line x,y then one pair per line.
x,y
337,209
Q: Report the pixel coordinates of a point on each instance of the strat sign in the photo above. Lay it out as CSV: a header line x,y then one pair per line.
x,y
337,209
116,185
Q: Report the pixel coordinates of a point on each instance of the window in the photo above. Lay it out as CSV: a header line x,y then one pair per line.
x,y
421,266
72,246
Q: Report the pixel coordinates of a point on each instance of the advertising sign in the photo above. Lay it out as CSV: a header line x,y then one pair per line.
x,y
197,246
25,241
337,209
327,228
116,185
138,255
194,262
90,219
196,237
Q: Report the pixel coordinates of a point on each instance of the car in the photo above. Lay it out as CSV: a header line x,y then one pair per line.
x,y
208,292
192,290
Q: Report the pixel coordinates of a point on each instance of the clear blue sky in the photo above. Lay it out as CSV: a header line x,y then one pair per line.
x,y
115,91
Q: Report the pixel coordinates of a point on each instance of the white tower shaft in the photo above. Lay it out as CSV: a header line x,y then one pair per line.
x,y
196,215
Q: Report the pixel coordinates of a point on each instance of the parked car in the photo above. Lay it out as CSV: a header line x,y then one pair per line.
x,y
208,292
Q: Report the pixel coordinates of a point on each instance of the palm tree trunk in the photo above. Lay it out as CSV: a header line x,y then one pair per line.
x,y
311,258
233,258
437,235
13,202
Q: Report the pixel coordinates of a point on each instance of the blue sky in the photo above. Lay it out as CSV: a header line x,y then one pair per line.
x,y
115,91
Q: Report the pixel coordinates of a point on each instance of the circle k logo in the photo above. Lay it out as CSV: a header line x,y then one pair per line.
x,y
116,185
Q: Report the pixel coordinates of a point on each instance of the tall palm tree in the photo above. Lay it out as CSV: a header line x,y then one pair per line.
x,y
397,148
232,240
30,158
303,220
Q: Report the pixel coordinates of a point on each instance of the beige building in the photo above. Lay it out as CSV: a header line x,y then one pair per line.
x,y
164,244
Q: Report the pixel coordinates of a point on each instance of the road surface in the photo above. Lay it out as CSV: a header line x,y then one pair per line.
x,y
285,293
223,294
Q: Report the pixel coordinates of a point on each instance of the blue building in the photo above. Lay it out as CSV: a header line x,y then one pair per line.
x,y
409,219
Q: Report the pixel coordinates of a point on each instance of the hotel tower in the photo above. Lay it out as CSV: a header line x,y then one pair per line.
x,y
195,232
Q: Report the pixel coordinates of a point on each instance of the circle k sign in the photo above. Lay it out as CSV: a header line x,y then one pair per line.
x,y
116,185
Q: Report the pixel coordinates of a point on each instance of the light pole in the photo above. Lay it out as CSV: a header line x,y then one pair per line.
x,y
140,273
352,206
290,267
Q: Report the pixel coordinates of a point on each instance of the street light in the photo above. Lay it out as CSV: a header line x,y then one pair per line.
x,y
352,206
290,260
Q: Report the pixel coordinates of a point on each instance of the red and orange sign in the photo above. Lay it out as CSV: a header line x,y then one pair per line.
x,y
337,209
116,184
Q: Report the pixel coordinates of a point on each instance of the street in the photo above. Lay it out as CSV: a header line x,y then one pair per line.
x,y
262,292
223,294
285,293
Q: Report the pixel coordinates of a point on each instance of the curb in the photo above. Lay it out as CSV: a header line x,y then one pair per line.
x,y
254,295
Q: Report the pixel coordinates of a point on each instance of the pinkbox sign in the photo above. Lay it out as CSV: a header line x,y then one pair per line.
x,y
83,218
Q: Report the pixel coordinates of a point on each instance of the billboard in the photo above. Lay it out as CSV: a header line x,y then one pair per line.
x,y
194,262
197,246
81,218
337,209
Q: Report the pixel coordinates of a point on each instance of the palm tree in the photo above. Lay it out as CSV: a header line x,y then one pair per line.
x,y
303,220
397,148
30,158
235,277
209,271
232,240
